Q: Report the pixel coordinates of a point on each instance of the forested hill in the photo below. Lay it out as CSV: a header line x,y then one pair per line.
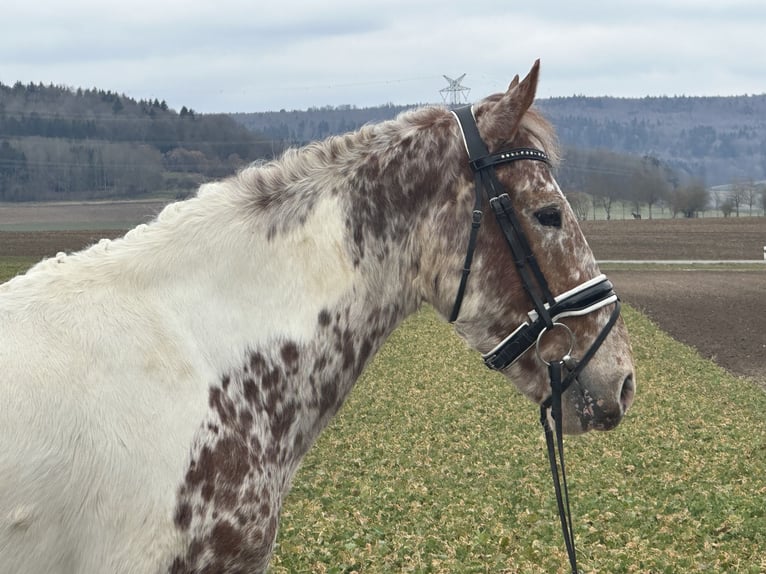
x,y
718,140
60,143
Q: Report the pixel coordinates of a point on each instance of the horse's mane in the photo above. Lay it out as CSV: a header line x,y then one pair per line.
x,y
267,182
271,179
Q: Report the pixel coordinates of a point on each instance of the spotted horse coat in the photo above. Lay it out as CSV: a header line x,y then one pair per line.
x,y
158,391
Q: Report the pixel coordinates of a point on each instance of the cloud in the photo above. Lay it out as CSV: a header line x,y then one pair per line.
x,y
234,55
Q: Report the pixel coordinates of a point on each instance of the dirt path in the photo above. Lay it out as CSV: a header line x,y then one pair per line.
x,y
720,313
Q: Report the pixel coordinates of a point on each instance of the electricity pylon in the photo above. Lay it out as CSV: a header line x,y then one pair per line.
x,y
455,92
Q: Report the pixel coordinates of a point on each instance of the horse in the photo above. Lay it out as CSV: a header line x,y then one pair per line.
x,y
158,391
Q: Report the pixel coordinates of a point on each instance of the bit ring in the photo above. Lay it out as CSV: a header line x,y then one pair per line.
x,y
567,355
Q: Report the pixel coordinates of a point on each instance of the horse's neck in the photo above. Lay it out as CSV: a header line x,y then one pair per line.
x,y
314,312
242,278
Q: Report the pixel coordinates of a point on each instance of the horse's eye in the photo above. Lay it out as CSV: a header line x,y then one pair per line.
x,y
549,216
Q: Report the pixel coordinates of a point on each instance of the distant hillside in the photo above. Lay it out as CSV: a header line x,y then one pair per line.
x,y
719,140
299,127
60,143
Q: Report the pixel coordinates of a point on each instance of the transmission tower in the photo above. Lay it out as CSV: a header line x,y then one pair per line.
x,y
455,93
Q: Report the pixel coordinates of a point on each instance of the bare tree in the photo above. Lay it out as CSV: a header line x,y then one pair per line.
x,y
750,195
604,175
690,199
580,203
606,203
716,196
651,182
737,196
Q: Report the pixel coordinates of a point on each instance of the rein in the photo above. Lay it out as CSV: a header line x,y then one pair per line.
x,y
548,310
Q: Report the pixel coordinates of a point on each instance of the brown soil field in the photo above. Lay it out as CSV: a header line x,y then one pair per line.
x,y
48,243
720,312
77,215
704,238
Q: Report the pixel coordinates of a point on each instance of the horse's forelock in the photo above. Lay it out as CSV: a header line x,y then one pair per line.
x,y
538,127
533,124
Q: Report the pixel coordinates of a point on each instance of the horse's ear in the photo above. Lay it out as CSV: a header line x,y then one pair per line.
x,y
527,88
500,119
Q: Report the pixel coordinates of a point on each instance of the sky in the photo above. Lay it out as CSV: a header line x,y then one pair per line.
x,y
267,55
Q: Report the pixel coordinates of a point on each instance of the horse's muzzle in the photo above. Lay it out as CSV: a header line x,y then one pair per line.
x,y
583,411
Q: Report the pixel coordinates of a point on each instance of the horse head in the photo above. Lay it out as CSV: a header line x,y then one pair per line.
x,y
502,297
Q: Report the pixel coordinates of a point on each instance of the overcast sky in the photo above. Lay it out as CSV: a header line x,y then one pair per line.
x,y
260,55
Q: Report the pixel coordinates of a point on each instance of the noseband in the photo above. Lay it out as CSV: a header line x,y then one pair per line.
x,y
548,309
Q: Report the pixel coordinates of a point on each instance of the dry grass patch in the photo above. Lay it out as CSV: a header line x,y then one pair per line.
x,y
438,465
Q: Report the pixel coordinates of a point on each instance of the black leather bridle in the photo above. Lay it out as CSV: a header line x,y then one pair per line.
x,y
548,309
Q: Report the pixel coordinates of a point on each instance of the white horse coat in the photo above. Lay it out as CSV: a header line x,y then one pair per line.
x,y
107,356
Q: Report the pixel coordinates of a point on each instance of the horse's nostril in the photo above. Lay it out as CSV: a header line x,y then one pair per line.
x,y
627,392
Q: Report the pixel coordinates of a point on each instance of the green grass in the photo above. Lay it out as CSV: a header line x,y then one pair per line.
x,y
10,266
436,464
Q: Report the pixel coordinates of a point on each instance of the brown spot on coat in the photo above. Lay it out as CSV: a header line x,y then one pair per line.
x,y
183,516
227,540
290,355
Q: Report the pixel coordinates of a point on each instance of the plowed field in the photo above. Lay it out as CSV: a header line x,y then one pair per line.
x,y
719,310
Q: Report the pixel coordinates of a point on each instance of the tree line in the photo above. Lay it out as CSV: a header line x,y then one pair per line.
x,y
61,143
598,181
719,140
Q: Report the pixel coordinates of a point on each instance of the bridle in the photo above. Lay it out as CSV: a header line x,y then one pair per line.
x,y
548,309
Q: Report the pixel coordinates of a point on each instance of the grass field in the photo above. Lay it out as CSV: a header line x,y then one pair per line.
x,y
13,265
436,464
